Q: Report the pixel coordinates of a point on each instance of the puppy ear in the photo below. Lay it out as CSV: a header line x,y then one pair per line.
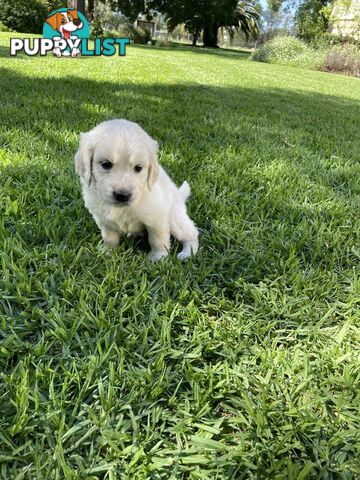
x,y
53,21
84,158
154,169
73,13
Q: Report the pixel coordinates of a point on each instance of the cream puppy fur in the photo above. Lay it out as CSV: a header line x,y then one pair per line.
x,y
126,190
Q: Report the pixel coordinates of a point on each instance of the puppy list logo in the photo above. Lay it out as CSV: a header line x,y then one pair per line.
x,y
66,33
66,28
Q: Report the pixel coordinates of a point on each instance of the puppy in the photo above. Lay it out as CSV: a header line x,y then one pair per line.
x,y
126,190
66,23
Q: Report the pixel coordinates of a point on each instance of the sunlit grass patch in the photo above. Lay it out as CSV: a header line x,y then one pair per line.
x,y
242,362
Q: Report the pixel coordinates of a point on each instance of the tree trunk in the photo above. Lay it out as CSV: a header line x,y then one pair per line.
x,y
81,6
90,9
210,34
195,38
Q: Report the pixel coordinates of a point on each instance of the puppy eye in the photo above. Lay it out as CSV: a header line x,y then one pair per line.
x,y
138,168
106,165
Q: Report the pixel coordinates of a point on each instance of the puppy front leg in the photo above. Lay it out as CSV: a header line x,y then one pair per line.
x,y
57,52
159,240
111,237
75,52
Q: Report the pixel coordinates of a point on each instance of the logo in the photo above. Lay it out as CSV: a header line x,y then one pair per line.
x,y
66,33
66,27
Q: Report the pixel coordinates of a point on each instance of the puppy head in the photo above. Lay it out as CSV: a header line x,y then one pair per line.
x,y
119,160
65,22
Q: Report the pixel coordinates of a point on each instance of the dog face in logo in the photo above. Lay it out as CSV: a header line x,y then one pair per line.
x,y
66,23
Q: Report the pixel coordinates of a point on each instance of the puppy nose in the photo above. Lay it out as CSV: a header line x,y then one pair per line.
x,y
121,196
77,21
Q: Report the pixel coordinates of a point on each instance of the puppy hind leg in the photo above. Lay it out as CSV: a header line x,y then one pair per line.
x,y
189,248
184,230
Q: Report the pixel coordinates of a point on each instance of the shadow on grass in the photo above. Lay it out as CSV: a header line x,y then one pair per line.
x,y
4,51
241,149
220,52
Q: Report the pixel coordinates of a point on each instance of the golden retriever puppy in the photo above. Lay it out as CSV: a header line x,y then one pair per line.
x,y
126,191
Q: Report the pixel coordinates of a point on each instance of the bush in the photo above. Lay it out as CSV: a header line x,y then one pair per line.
x,y
162,42
136,34
101,17
343,59
281,48
142,36
292,51
23,15
126,31
4,28
327,40
105,33
288,51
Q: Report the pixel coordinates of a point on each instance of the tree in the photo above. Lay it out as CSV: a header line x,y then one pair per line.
x,y
209,16
182,12
312,18
91,6
81,6
200,15
52,5
275,21
131,8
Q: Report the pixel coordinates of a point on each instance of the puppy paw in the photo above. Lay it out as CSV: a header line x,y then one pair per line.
x,y
103,249
189,249
110,245
183,255
75,52
156,255
111,238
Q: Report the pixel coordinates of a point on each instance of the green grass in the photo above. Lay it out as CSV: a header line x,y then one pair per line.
x,y
242,363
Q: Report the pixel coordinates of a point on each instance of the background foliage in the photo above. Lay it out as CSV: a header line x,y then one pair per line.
x,y
27,15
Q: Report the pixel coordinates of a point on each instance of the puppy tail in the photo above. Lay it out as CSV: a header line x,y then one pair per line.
x,y
185,191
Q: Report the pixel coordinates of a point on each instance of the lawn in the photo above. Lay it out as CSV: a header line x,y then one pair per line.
x,y
242,363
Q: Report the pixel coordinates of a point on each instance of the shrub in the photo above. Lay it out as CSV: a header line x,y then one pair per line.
x,y
281,48
116,21
343,59
101,17
105,33
4,28
106,23
23,15
136,34
142,35
162,42
288,51
126,30
292,51
327,40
